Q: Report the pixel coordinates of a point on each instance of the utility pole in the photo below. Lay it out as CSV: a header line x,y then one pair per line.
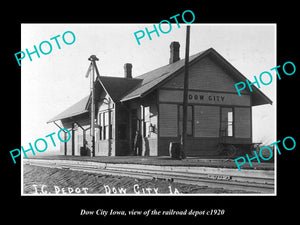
x,y
185,95
92,67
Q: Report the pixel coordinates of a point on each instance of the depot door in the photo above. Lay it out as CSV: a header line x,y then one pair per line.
x,y
135,124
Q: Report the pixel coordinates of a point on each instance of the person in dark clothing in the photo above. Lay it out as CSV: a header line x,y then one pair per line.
x,y
137,144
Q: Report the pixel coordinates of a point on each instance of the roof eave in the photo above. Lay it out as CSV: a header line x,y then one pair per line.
x,y
260,100
69,116
130,98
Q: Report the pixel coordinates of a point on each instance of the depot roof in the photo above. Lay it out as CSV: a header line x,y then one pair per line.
x,y
125,89
155,78
118,87
74,110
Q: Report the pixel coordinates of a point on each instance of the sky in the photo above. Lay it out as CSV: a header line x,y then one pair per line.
x,y
53,82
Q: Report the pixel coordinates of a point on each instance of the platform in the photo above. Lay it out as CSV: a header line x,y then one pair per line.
x,y
202,172
162,161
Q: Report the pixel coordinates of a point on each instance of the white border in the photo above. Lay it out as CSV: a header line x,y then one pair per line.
x,y
176,195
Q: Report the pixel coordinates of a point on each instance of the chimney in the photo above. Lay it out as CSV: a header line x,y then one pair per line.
x,y
174,52
128,70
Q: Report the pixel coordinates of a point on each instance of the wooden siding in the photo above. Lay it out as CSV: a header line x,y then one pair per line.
x,y
206,121
105,148
150,115
205,75
242,122
153,120
105,103
168,120
198,146
150,119
153,151
200,97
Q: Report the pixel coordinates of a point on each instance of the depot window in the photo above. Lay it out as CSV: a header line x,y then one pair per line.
x,y
105,125
226,122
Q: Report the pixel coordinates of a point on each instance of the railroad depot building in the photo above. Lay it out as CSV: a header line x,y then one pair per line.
x,y
152,104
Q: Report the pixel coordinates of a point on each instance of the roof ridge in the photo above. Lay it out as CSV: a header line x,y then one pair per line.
x,y
126,78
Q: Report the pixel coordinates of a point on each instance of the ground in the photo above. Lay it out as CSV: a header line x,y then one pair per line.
x,y
43,180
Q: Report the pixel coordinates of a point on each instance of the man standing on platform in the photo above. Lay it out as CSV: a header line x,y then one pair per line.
x,y
137,144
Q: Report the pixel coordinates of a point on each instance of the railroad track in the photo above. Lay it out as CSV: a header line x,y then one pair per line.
x,y
249,180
